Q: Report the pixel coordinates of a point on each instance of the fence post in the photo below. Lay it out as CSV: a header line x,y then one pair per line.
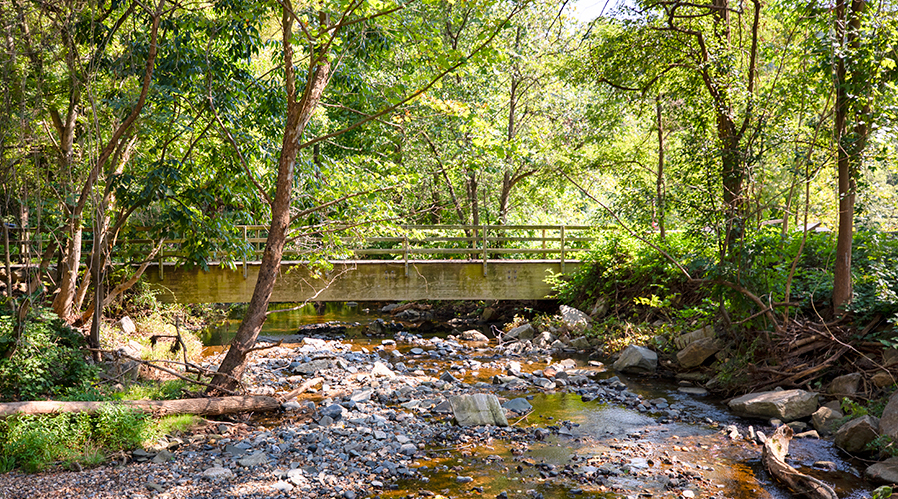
x,y
562,249
485,255
405,251
245,251
161,254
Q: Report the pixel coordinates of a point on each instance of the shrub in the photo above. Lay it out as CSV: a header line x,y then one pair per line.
x,y
46,361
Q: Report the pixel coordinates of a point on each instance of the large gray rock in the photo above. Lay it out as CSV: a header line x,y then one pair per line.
x,y
683,341
698,351
522,332
854,435
888,425
580,343
544,340
575,320
474,335
824,420
884,472
636,359
845,386
478,409
786,405
127,325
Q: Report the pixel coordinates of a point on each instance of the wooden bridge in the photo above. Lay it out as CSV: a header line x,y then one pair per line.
x,y
433,262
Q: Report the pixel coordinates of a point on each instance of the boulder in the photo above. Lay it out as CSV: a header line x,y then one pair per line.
x,y
522,332
845,386
884,472
698,351
474,335
381,370
684,340
518,405
544,340
488,313
478,409
787,405
889,357
882,379
575,320
854,435
580,343
824,420
888,425
127,325
636,359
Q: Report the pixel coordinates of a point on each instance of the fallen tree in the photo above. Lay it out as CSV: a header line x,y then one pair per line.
x,y
212,406
774,458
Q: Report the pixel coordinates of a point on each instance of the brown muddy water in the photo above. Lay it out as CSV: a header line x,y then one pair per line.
x,y
634,451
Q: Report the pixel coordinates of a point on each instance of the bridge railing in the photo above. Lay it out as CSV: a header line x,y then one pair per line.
x,y
411,242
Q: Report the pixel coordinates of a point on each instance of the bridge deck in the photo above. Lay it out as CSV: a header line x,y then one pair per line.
x,y
364,280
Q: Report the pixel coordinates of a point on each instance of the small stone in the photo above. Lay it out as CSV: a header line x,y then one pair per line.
x,y
154,486
218,473
464,479
257,459
282,486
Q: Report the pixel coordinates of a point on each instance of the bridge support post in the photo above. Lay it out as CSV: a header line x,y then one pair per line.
x,y
161,267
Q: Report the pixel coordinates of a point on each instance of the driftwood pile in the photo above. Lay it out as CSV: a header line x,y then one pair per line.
x,y
804,351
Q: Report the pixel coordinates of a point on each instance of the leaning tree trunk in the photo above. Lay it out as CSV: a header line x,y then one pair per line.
x,y
298,114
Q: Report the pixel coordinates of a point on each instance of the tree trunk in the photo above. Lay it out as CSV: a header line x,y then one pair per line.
x,y
848,149
298,114
213,406
659,179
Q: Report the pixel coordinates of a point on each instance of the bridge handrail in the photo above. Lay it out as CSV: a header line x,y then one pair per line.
x,y
476,242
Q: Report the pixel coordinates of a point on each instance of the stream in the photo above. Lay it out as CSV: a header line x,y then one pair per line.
x,y
660,441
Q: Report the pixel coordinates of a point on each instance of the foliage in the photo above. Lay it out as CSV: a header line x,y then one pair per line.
x,y
46,361
35,442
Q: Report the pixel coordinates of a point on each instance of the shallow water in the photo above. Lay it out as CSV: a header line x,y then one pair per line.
x,y
634,446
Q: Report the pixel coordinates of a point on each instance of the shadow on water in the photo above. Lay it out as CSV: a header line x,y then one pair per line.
x,y
354,316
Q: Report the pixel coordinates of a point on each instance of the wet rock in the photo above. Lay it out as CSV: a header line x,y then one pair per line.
x,y
692,390
518,405
884,472
474,335
845,386
575,320
448,377
854,435
478,409
386,309
787,405
545,383
636,359
824,420
698,351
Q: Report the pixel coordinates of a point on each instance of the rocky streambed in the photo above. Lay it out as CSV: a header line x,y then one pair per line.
x,y
379,420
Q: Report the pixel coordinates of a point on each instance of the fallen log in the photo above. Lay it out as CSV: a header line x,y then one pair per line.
x,y
774,458
212,406
302,388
